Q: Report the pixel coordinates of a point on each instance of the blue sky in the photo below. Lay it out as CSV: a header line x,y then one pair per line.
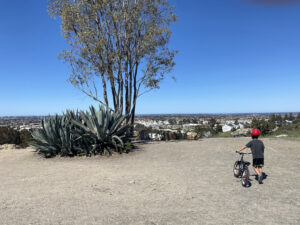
x,y
234,56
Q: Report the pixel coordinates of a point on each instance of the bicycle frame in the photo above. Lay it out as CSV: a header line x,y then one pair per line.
x,y
245,163
243,167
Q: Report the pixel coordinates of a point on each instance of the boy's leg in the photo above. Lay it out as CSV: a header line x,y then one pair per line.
x,y
256,170
260,178
257,166
260,171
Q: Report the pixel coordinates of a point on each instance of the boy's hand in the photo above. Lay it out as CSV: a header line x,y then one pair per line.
x,y
241,149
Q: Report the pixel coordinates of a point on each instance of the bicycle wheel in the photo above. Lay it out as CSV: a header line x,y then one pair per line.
x,y
245,177
236,169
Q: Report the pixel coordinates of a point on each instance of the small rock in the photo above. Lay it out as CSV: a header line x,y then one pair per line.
x,y
241,133
192,136
8,146
281,135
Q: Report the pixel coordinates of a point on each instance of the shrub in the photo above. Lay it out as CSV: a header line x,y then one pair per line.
x,y
12,136
9,136
292,130
265,127
55,137
103,129
203,129
78,133
26,138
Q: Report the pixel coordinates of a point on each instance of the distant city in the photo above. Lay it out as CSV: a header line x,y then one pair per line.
x,y
158,121
22,122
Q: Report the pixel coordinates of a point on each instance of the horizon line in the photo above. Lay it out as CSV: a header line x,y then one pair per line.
x,y
166,114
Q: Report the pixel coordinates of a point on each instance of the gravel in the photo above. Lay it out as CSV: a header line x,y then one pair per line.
x,y
162,183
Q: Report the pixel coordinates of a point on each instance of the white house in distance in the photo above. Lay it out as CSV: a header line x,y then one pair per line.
x,y
227,128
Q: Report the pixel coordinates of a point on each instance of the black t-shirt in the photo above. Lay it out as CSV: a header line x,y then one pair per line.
x,y
257,148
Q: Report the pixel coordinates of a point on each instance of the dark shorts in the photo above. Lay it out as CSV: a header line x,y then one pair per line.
x,y
259,162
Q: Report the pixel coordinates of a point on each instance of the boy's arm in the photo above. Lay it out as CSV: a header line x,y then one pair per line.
x,y
242,148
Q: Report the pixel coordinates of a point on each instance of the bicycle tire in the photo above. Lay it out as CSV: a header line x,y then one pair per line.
x,y
236,169
245,177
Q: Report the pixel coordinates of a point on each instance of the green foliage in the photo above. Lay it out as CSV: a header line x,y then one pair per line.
x,y
79,133
12,136
219,128
9,136
139,127
247,125
236,122
116,46
212,122
103,128
202,129
292,130
25,137
264,126
291,117
54,138
128,147
277,120
172,121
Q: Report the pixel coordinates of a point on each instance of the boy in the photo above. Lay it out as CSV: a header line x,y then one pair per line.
x,y
257,149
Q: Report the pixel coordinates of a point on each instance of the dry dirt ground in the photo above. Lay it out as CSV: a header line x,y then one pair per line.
x,y
162,183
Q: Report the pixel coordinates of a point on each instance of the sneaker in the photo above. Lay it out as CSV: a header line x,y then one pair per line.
x,y
260,178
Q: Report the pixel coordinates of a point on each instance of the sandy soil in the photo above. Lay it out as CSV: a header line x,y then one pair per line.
x,y
162,183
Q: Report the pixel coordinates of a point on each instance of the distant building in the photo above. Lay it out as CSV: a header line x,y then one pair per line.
x,y
239,126
227,128
205,122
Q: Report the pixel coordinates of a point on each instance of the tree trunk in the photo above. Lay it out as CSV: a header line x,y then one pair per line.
x,y
104,90
132,117
113,89
120,87
135,96
127,104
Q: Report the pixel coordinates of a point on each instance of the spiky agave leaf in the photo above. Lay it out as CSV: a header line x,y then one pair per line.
x,y
103,128
46,140
56,136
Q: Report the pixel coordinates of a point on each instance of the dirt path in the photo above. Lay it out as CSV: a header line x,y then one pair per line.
x,y
163,183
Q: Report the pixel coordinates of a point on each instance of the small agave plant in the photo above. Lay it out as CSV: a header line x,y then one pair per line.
x,y
54,138
103,129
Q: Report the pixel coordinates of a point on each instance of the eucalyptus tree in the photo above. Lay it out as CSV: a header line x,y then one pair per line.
x,y
118,49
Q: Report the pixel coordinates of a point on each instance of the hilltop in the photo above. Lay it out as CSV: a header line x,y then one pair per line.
x,y
185,182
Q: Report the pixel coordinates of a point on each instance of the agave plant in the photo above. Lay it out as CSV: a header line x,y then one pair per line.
x,y
78,133
55,137
81,140
103,129
47,140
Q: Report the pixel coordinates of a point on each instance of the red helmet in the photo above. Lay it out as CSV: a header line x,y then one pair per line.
x,y
255,132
